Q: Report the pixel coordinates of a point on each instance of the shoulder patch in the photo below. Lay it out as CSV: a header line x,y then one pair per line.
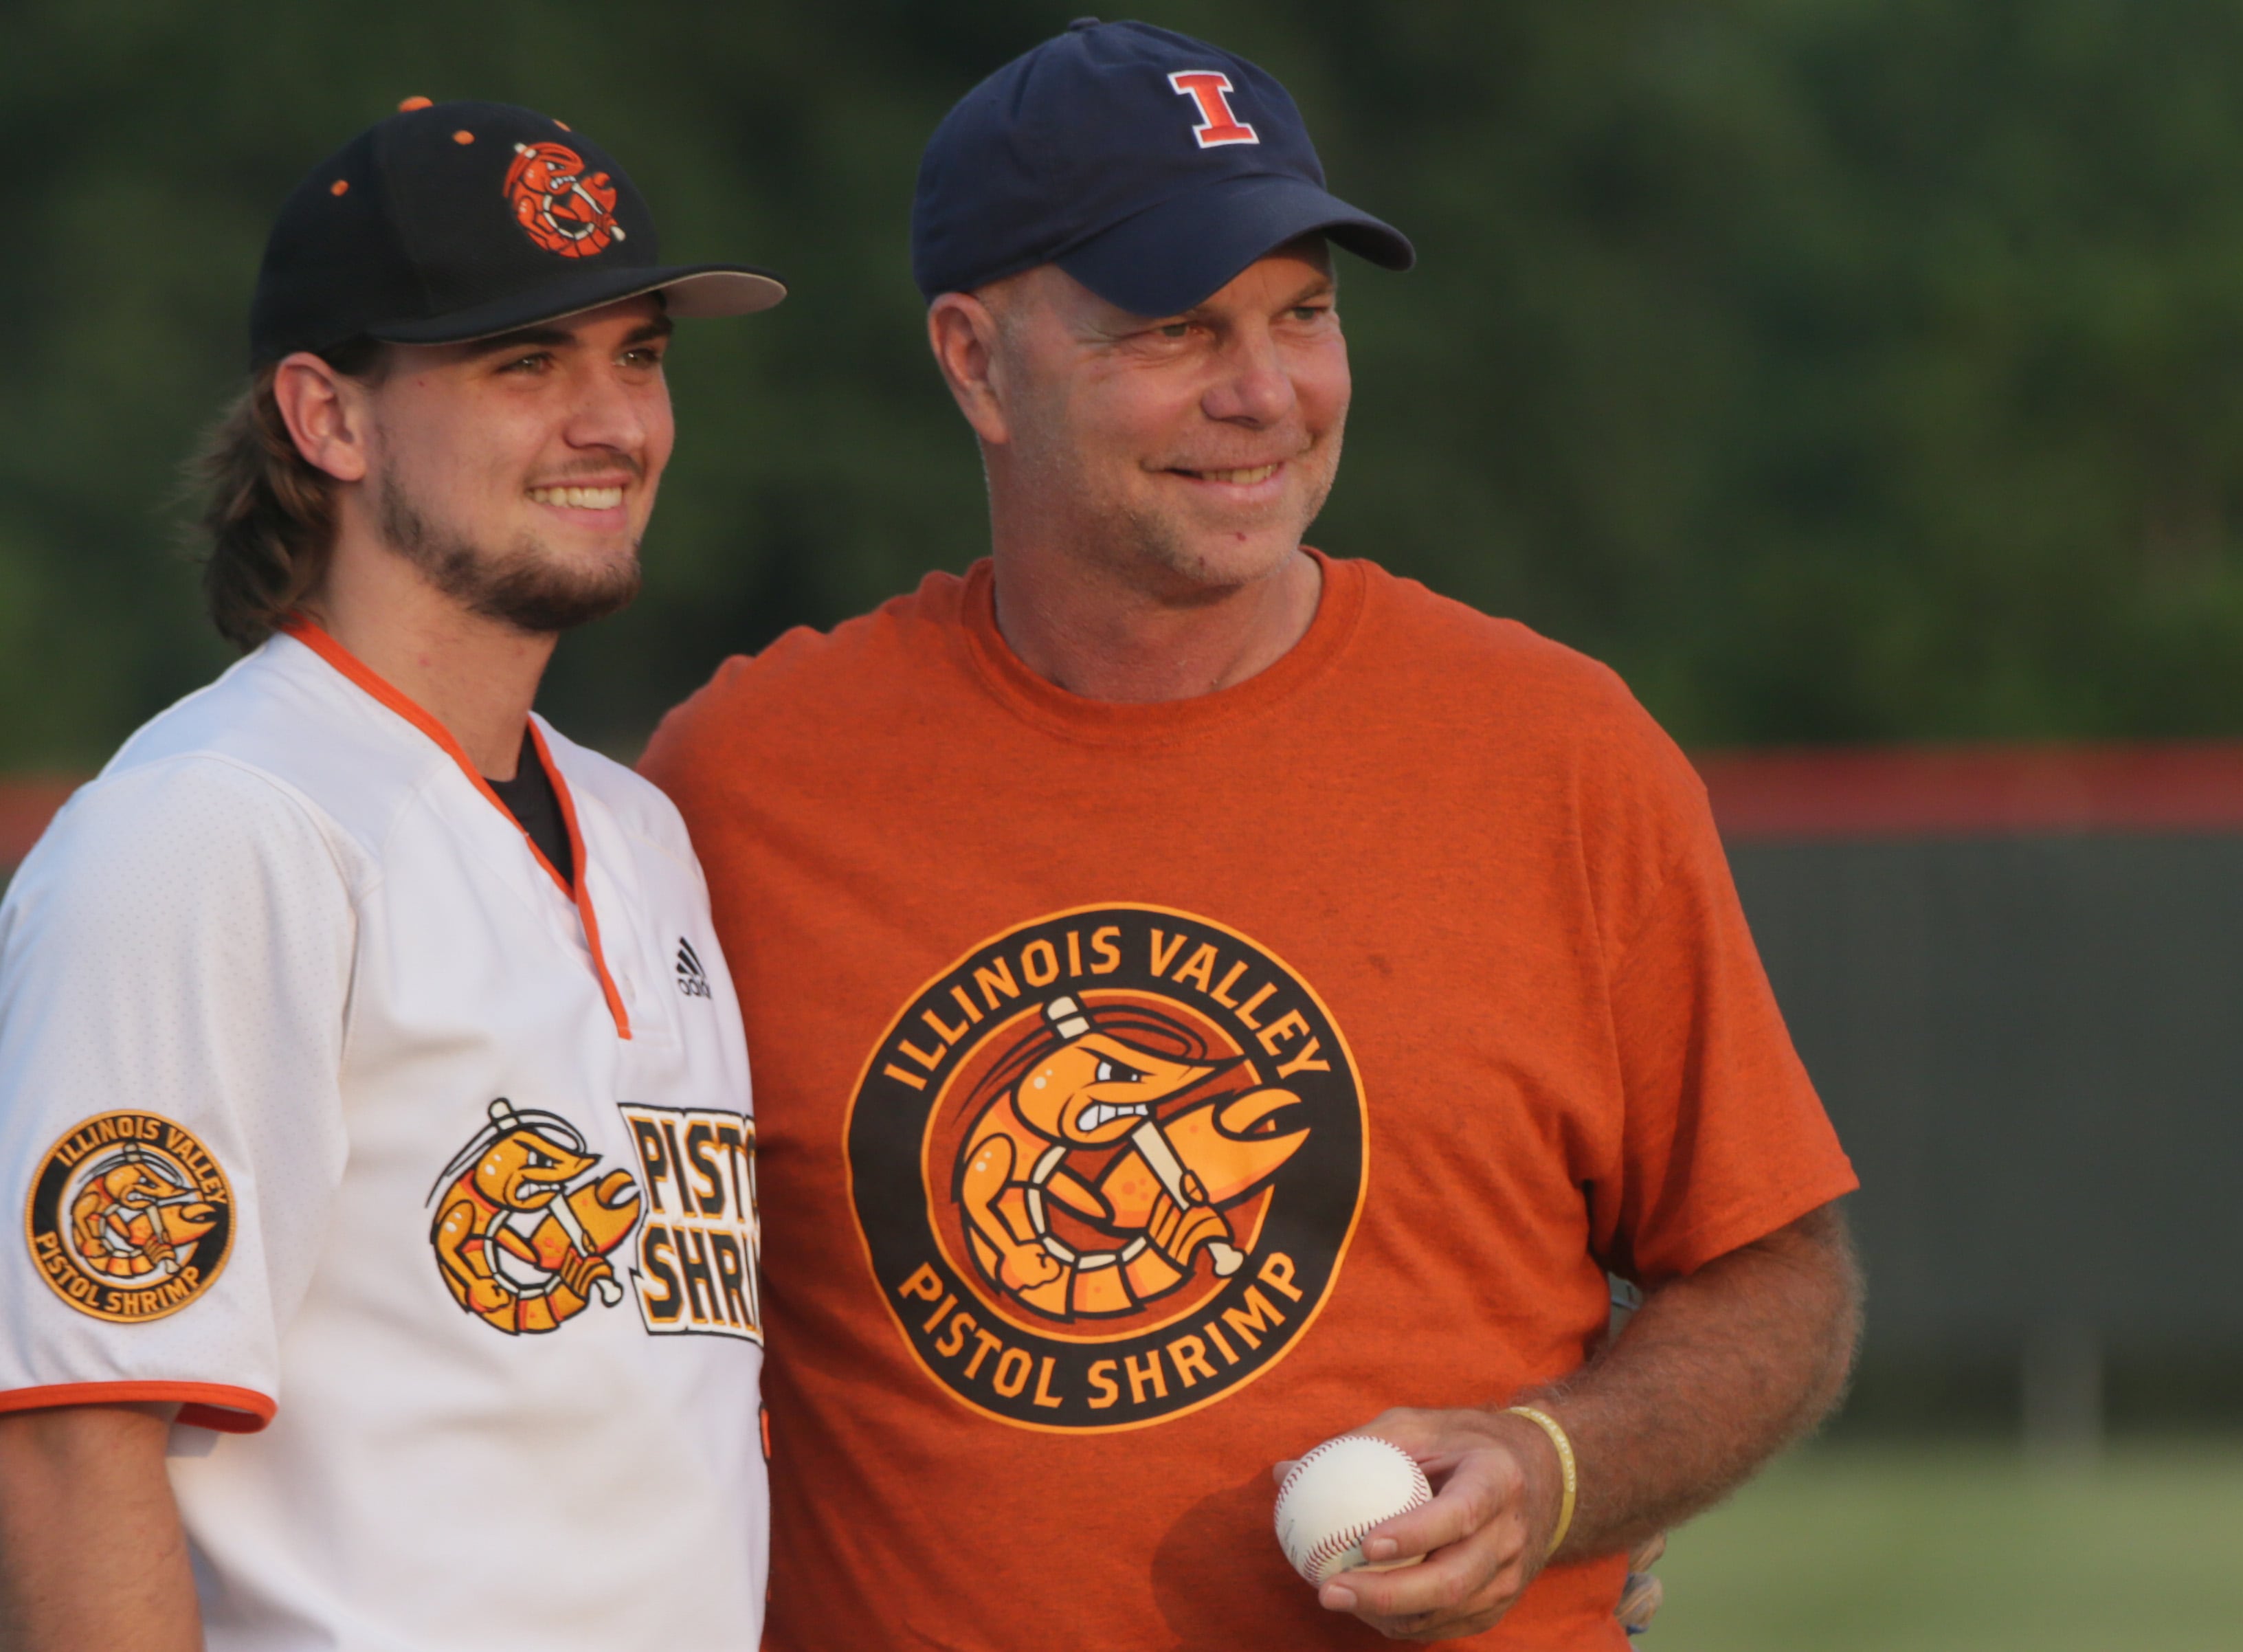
x,y
129,1217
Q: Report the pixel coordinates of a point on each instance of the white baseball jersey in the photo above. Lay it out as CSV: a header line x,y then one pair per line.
x,y
424,1182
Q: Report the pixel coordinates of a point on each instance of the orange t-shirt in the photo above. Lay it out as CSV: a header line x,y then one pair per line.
x,y
1147,1092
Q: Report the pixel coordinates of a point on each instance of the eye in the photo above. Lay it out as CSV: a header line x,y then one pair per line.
x,y
1110,1073
535,361
642,355
537,1161
1173,329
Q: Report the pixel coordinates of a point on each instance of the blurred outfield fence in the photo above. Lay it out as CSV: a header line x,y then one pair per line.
x,y
2014,974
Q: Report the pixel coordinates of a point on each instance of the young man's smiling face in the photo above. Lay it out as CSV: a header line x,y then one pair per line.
x,y
1198,446
518,473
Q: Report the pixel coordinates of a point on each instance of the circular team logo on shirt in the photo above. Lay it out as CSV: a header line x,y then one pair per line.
x,y
129,1217
1106,1167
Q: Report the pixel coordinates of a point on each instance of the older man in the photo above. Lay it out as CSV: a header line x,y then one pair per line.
x,y
1209,995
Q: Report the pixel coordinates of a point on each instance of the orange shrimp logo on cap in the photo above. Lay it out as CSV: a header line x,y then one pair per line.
x,y
557,205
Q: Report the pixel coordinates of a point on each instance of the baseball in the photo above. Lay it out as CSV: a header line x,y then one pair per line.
x,y
1338,1493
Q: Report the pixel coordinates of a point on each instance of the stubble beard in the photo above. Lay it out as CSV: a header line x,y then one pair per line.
x,y
1182,556
527,586
1161,552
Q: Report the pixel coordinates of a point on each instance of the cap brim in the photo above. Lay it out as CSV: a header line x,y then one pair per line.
x,y
688,290
1174,255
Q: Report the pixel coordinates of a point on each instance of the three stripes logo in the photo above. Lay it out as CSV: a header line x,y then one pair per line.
x,y
692,979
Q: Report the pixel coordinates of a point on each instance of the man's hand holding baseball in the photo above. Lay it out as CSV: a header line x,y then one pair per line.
x,y
1715,1372
1497,1489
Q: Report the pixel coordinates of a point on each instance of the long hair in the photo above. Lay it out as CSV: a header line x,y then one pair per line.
x,y
268,515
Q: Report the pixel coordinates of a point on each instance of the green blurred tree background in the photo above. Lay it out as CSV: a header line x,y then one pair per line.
x,y
1837,370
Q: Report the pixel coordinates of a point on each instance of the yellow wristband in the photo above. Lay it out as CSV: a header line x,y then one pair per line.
x,y
1551,1426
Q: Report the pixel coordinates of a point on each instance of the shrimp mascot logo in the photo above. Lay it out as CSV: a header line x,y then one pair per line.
x,y
557,205
525,1222
129,1217
1106,1167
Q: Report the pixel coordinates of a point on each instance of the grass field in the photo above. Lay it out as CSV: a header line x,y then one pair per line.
x,y
1967,1548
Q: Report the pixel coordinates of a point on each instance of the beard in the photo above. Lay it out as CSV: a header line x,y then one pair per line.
x,y
526,585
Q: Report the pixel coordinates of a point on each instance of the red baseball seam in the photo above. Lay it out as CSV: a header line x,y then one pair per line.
x,y
1335,1546
1339,1542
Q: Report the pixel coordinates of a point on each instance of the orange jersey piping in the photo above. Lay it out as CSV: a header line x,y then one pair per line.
x,y
204,1405
309,633
583,891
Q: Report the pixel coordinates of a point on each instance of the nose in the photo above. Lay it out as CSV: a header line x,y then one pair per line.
x,y
1254,388
613,411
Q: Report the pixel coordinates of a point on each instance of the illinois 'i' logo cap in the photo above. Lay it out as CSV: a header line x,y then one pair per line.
x,y
1150,166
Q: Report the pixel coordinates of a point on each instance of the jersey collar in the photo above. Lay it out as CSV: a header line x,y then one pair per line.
x,y
313,637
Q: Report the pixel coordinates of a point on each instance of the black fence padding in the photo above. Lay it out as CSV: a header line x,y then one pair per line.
x,y
2033,1050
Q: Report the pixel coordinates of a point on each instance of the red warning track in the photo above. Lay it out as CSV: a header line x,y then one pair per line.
x,y
26,805
1806,792
1976,791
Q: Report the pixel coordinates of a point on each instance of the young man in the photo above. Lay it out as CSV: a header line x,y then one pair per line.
x,y
370,1081
1208,995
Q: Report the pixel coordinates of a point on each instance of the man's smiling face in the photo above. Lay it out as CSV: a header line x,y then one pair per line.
x,y
518,473
1196,448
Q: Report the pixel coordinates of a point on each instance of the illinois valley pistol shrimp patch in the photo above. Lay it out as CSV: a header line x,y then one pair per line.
x,y
129,1217
1106,1167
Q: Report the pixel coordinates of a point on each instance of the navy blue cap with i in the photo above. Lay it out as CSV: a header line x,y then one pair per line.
x,y
460,221
1150,166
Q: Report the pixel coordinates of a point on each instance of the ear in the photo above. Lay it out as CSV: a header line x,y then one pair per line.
x,y
963,334
327,415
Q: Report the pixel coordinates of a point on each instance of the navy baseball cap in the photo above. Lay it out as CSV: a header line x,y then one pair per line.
x,y
1150,166
459,220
